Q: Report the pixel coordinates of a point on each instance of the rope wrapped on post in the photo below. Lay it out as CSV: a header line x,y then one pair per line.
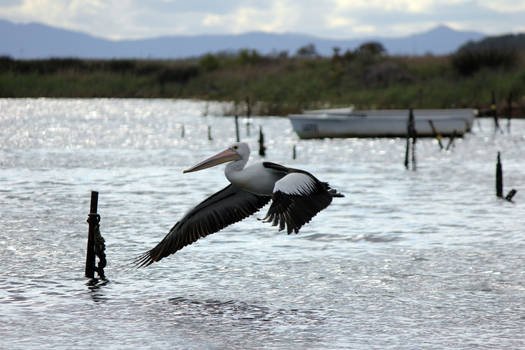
x,y
100,251
96,245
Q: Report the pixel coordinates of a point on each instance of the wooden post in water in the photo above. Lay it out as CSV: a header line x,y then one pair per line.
x,y
411,136
451,140
407,150
510,195
499,178
436,135
93,220
509,110
294,152
182,131
262,148
414,140
237,138
499,182
209,133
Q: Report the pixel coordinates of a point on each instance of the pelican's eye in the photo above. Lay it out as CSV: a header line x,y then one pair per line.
x,y
235,148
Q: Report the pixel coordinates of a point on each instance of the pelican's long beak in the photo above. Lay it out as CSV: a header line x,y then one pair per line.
x,y
219,158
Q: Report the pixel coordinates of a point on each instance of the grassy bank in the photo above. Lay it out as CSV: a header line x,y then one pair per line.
x,y
280,83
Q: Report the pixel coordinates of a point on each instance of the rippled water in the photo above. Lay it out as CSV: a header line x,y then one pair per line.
x,y
424,259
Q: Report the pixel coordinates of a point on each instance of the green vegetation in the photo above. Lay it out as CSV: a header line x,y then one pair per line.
x,y
472,57
507,41
366,77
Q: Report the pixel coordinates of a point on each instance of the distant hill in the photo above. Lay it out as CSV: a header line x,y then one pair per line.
x,y
34,40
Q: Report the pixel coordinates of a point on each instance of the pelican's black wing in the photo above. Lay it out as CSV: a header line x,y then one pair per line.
x,y
297,197
223,208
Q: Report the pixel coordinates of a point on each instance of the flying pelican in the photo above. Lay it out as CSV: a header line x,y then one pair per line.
x,y
297,196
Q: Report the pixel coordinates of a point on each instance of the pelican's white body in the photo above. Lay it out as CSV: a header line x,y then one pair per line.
x,y
254,178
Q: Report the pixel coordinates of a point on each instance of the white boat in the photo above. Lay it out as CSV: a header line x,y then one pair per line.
x,y
347,122
342,111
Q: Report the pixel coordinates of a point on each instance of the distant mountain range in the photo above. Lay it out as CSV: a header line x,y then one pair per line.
x,y
34,40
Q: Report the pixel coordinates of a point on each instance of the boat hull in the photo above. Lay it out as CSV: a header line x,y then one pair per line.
x,y
382,123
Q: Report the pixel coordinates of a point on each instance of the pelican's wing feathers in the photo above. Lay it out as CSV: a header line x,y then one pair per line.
x,y
297,197
223,208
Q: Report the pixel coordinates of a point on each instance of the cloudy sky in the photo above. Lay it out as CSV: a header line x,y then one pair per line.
x,y
131,19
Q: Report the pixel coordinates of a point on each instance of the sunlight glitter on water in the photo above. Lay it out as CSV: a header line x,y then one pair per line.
x,y
406,260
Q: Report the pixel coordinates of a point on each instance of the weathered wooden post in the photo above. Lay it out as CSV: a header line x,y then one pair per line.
x,y
411,135
95,245
414,140
436,135
294,152
451,140
509,110
510,195
262,148
499,182
209,133
93,220
237,128
407,150
499,177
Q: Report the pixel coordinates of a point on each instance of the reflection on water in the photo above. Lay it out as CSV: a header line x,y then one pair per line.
x,y
96,289
425,259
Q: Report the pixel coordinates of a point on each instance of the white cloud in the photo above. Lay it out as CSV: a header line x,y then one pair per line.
x,y
275,18
392,5
338,21
410,6
212,20
503,6
94,17
367,30
119,19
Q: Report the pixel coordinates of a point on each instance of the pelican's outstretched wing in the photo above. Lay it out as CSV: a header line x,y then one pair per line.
x,y
224,208
297,198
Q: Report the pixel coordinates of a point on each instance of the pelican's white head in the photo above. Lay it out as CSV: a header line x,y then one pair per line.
x,y
241,148
237,151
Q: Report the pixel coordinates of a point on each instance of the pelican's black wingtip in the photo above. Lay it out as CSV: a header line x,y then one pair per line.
x,y
143,260
334,193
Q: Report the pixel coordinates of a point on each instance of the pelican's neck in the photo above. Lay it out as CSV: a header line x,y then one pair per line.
x,y
233,170
238,165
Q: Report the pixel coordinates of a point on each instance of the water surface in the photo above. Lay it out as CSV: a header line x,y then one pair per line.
x,y
408,259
